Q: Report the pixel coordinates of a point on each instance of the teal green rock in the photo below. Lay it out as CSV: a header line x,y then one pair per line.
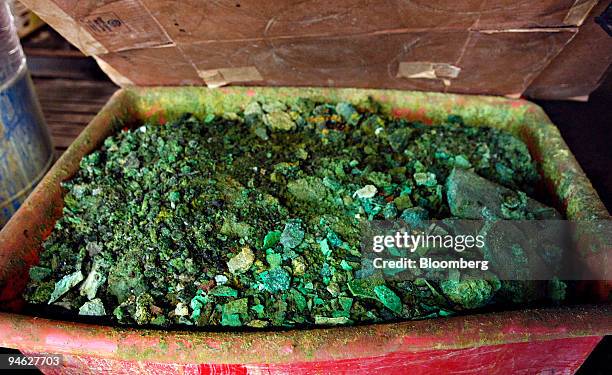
x,y
94,307
292,235
224,291
470,196
388,298
38,274
364,288
271,239
275,280
65,284
470,294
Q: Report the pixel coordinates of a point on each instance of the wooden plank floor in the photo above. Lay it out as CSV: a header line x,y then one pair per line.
x,y
69,105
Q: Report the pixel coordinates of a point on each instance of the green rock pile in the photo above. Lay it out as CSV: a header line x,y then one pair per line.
x,y
255,220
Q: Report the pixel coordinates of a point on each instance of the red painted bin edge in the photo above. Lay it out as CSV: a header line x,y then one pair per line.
x,y
45,335
561,356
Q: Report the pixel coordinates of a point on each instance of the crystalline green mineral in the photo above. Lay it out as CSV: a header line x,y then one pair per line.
x,y
271,239
425,179
388,298
275,280
324,320
94,307
325,248
65,284
242,261
470,294
237,306
94,280
473,197
348,113
279,121
232,320
298,298
143,315
224,291
274,260
292,235
196,305
39,274
364,288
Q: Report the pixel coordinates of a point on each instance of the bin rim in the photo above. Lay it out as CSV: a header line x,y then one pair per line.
x,y
303,345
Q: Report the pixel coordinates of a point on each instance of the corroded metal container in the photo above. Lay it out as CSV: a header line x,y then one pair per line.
x,y
549,340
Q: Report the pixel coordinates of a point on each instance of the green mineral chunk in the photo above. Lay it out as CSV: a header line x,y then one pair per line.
x,y
271,239
324,320
470,294
160,320
256,323
253,109
399,138
345,265
403,202
292,235
39,274
462,162
346,303
348,113
143,315
275,280
279,121
237,229
125,277
299,300
364,288
95,279
274,106
274,260
232,320
473,197
94,307
42,292
174,196
238,306
224,291
325,248
388,298
308,190
196,304
414,215
242,261
65,284
557,289
259,309
425,179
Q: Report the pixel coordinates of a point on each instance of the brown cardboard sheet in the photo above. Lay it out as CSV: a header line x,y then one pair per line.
x,y
467,46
